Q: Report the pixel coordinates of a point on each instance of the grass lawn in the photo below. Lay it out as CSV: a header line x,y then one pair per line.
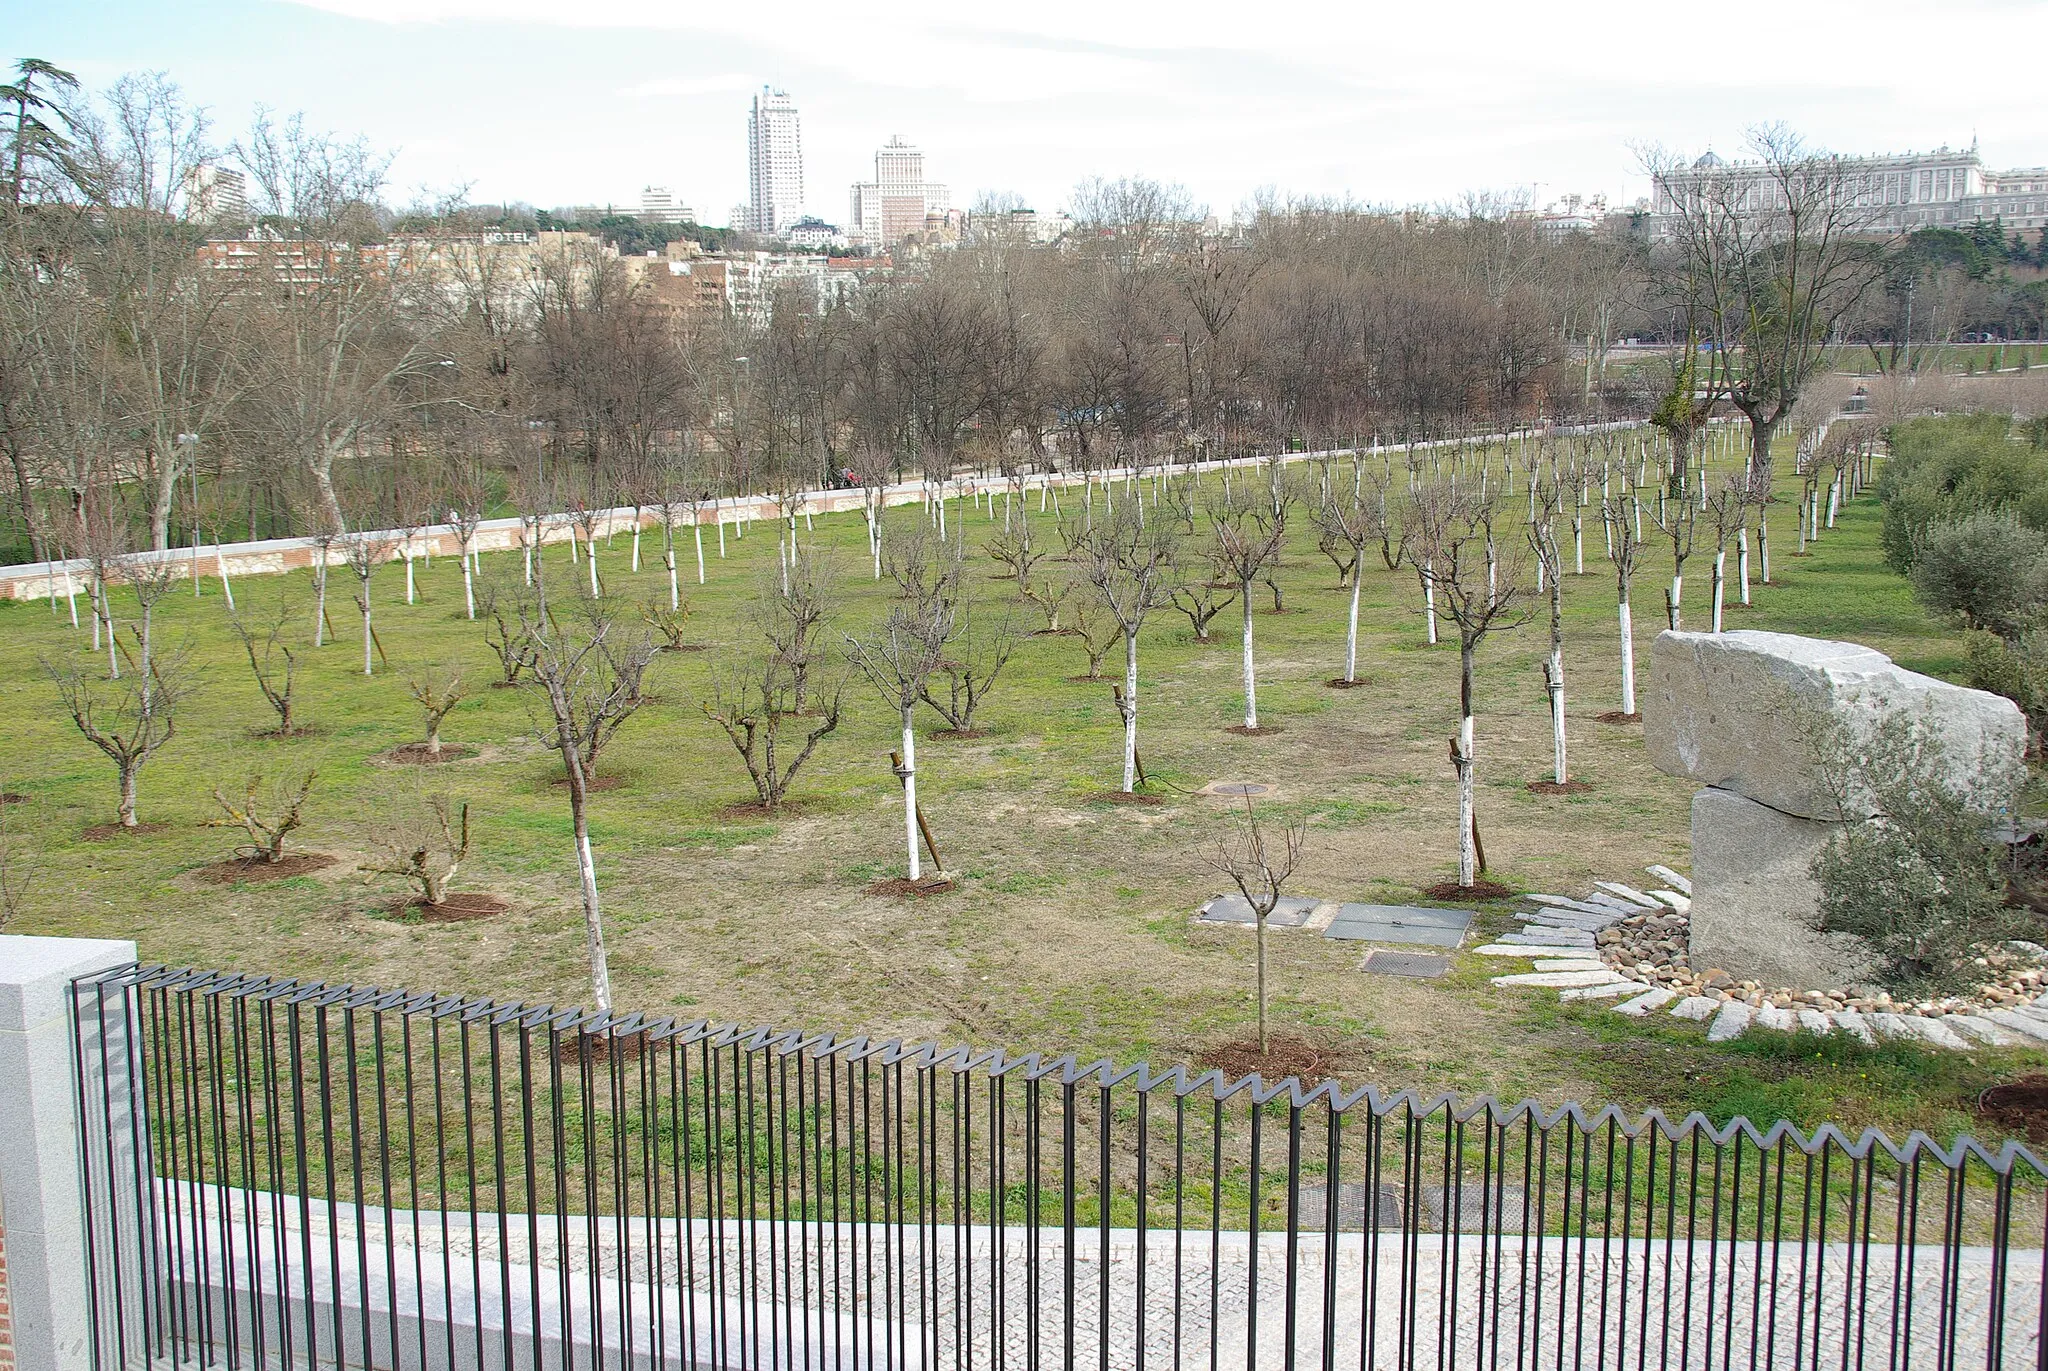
x,y
1070,928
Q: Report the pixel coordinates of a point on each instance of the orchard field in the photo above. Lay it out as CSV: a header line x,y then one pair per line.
x,y
1069,927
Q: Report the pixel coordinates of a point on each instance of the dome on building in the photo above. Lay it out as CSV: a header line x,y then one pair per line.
x,y
1707,161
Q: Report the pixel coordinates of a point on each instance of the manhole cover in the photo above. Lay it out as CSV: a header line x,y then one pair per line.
x,y
1421,965
1291,912
1239,790
1394,923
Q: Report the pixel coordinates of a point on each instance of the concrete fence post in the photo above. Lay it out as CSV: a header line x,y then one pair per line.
x,y
42,1198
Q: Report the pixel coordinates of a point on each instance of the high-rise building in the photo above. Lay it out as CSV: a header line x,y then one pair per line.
x,y
775,163
658,205
885,211
215,194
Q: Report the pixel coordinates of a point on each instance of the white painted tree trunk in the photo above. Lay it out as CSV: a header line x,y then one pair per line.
x,y
591,552
910,792
593,916
1429,603
1468,858
636,549
675,592
367,639
1720,583
1628,660
409,579
1251,684
1351,625
1130,712
1579,543
1763,549
1677,600
1742,564
469,586
697,532
1554,679
319,602
220,564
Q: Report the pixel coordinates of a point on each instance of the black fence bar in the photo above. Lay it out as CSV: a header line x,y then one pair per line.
x,y
295,1174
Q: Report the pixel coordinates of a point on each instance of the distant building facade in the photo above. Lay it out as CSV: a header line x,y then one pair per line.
x,y
898,202
216,195
659,205
775,163
1897,192
815,235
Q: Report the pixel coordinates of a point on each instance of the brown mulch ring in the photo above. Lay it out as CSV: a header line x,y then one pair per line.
x,y
601,1047
1125,797
240,869
1478,890
903,885
279,734
2019,1106
1092,680
1553,788
1339,683
12,797
1615,716
959,734
416,754
607,781
506,685
1055,632
682,647
754,809
458,907
1286,1054
99,833
1261,731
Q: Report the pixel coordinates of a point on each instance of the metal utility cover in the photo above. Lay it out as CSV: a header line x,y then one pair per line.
x,y
1383,961
1396,923
1291,912
1238,790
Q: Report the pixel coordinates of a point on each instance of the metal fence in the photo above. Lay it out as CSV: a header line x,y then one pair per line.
x,y
286,1173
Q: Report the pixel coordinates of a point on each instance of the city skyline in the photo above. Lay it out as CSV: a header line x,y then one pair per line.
x,y
1360,113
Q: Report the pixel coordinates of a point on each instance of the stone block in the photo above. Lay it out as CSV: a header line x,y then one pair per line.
x,y
1754,897
1725,709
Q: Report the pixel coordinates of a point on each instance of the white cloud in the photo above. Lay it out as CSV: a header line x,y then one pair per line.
x,y
670,87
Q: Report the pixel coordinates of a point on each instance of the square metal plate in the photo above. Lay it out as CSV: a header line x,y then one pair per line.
x,y
1291,912
1393,923
1384,961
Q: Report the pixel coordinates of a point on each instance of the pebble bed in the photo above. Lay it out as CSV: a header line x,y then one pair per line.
x,y
1632,946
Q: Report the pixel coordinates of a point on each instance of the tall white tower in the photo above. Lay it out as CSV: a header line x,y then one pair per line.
x,y
775,158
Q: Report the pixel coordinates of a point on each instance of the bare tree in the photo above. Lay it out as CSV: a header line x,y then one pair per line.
x,y
129,721
971,664
363,552
1352,524
18,869
1130,565
796,604
669,620
267,816
1259,866
1479,590
426,845
272,661
1050,595
1550,497
1251,530
898,659
1198,590
590,672
1626,548
436,691
756,707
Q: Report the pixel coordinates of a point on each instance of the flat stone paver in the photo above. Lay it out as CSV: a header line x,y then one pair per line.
x,y
1564,902
1849,1021
1627,892
1813,1021
1570,964
1393,923
1694,1007
1654,998
2021,1024
1559,980
1982,1030
1913,1028
1770,1016
1527,950
1549,937
1729,1022
1612,990
1671,878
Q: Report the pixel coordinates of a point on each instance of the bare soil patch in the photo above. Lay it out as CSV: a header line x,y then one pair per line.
x,y
12,797
1262,731
505,685
1125,797
1553,788
960,734
281,734
416,754
242,869
1307,1059
682,647
2019,1106
1055,632
1478,890
904,886
1339,683
1088,680
1615,716
458,907
99,833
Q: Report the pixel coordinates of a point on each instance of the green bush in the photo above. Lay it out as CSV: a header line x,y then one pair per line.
x,y
1945,469
2018,671
1920,883
1989,570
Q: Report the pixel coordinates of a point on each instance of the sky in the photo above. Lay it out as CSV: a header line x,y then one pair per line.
x,y
563,102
